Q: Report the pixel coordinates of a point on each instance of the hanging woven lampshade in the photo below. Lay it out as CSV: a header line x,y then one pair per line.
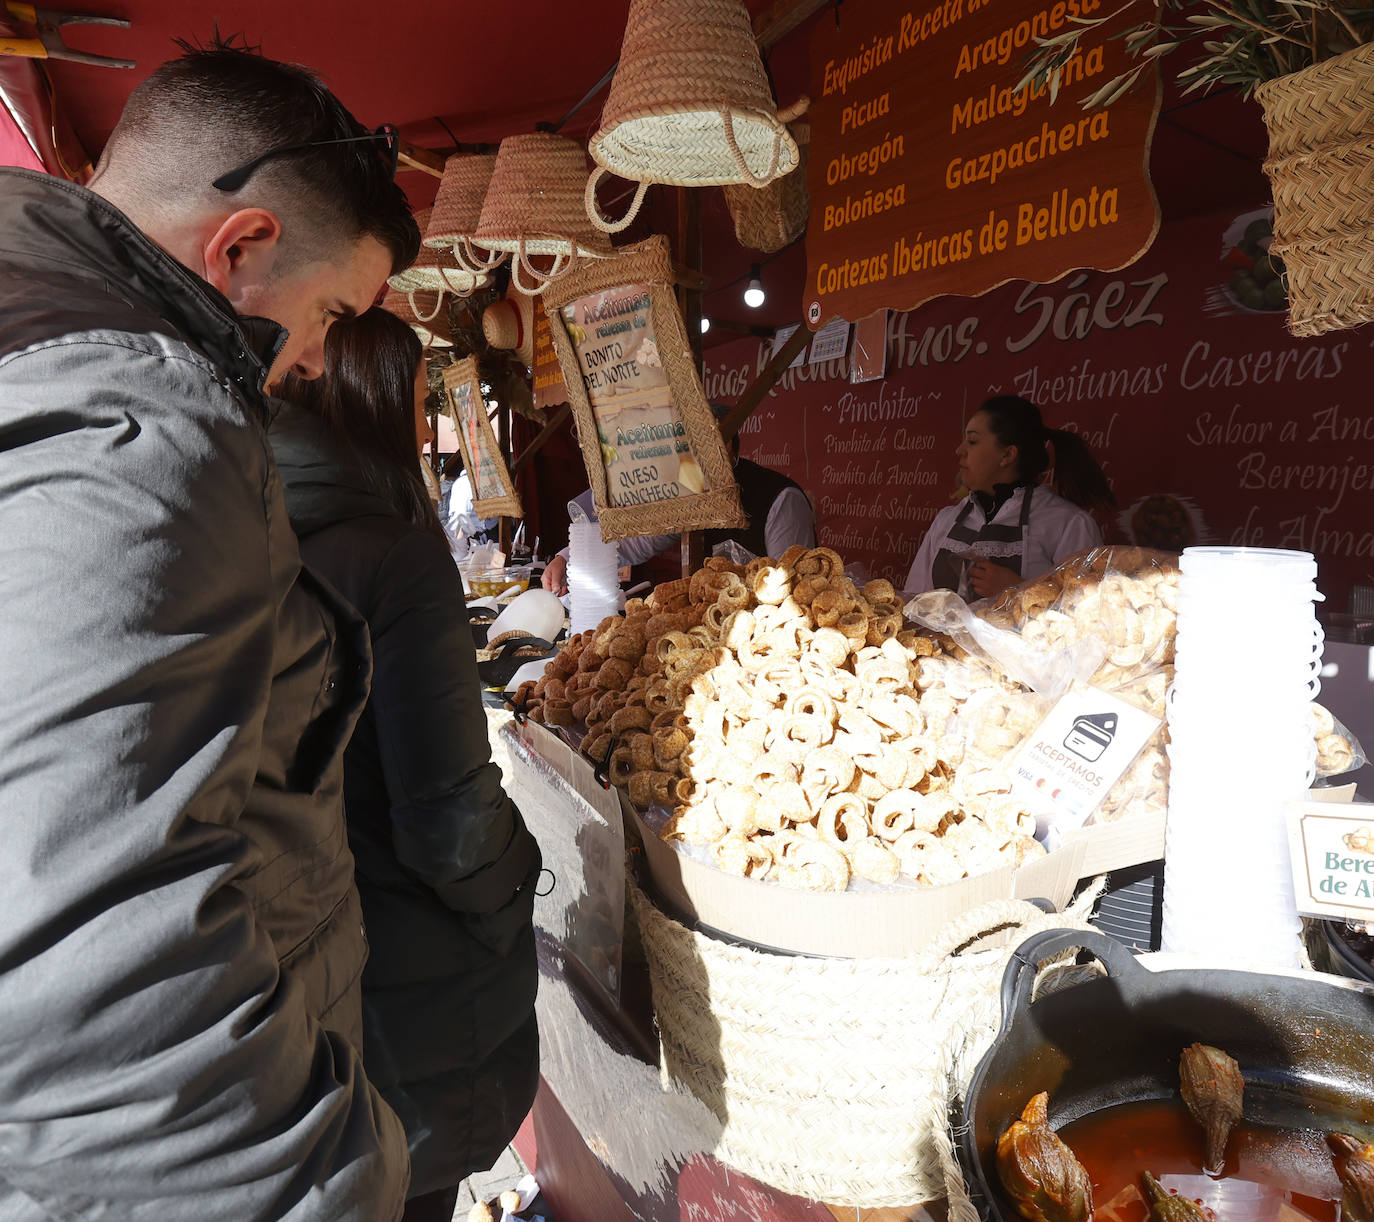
x,y
434,271
433,332
509,325
534,207
690,105
458,208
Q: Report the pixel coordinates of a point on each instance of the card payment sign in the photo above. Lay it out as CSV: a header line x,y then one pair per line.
x,y
1091,735
1079,752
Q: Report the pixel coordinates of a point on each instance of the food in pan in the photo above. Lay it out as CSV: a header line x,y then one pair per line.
x,y
1167,1206
1355,1167
1213,1090
1040,1173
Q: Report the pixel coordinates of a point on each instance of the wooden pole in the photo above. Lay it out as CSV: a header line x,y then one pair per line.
x,y
689,301
555,422
507,528
762,384
414,158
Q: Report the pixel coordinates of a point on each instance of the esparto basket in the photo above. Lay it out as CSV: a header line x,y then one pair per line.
x,y
831,1076
769,218
1321,168
690,105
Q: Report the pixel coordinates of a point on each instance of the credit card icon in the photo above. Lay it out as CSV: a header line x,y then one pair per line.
x,y
1091,735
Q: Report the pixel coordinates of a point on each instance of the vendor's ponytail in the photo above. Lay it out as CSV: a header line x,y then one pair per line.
x,y
1015,421
1077,477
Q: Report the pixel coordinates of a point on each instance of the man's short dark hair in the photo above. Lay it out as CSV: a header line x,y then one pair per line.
x,y
218,107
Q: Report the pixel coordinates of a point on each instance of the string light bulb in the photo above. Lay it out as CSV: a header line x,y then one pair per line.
x,y
754,295
705,324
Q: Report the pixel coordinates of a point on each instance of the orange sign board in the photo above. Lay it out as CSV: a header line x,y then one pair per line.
x,y
549,389
932,173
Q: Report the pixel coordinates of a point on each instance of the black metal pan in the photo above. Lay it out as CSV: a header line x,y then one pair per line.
x,y
1305,1045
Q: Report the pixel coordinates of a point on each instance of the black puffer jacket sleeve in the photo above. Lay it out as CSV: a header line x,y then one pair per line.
x,y
452,824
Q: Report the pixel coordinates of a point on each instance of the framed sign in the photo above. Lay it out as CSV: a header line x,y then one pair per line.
x,y
493,491
654,456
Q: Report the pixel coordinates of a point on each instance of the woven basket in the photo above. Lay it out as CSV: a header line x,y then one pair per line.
x,y
534,206
436,271
433,331
1321,168
769,218
831,1076
458,209
509,325
690,105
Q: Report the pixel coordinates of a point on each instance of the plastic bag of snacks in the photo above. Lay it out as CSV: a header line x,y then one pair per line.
x,y
1338,750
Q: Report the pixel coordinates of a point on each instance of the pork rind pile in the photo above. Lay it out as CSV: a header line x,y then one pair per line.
x,y
802,732
774,708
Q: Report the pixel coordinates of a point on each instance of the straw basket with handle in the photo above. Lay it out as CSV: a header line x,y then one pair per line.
x,y
458,210
434,331
771,217
831,1075
690,105
534,206
1321,167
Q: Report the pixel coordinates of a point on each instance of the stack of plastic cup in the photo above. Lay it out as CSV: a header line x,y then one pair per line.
x,y
593,576
1240,750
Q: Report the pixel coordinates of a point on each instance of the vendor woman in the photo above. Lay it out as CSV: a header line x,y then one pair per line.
x,y
1011,527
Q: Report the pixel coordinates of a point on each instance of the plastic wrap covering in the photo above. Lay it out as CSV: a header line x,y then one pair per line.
x,y
579,828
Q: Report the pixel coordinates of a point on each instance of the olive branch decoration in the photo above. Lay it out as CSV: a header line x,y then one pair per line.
x,y
1244,42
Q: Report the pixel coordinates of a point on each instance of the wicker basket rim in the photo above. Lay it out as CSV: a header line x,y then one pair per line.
x,y
509,242
608,138
1303,78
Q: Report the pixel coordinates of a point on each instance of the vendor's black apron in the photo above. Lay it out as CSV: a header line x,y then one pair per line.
x,y
949,570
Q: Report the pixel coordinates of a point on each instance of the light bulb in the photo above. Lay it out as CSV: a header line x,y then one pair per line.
x,y
754,294
705,324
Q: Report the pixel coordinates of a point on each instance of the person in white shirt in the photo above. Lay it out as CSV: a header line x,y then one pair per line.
x,y
1011,527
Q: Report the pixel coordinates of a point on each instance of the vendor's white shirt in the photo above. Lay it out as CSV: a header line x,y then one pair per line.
x,y
462,519
1056,530
791,520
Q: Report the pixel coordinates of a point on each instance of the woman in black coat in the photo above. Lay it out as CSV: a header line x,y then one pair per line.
x,y
445,866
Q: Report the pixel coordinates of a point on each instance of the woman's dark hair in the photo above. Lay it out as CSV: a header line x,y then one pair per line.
x,y
1015,421
366,401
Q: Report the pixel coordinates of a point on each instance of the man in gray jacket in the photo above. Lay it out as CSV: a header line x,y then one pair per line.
x,y
180,937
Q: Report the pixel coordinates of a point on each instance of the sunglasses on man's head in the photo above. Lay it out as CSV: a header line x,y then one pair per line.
x,y
234,179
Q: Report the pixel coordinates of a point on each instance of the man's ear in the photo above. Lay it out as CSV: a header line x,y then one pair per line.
x,y
241,252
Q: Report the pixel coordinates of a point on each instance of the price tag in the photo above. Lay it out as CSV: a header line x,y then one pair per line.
x,y
829,343
1331,846
1079,752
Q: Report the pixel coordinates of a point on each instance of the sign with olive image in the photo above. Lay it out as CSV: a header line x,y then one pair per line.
x,y
655,460
1256,281
493,490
